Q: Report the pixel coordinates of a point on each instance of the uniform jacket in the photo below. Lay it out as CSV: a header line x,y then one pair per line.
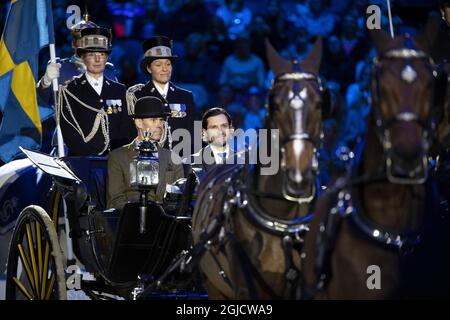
x,y
175,96
70,69
119,190
112,98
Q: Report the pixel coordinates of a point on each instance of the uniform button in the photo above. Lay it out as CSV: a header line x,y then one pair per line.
x,y
166,104
101,100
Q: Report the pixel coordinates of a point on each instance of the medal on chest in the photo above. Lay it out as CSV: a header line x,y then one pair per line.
x,y
114,106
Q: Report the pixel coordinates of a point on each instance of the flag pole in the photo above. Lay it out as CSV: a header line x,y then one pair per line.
x,y
55,98
51,46
69,245
70,254
391,26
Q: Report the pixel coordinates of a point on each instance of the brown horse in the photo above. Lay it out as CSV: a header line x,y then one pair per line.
x,y
250,225
365,224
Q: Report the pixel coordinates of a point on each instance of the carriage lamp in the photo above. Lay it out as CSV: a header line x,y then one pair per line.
x,y
144,175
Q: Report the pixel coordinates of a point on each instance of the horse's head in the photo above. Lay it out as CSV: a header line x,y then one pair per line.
x,y
296,104
406,95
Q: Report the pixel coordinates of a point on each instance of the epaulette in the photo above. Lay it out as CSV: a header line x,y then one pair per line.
x,y
65,60
136,87
131,97
173,87
75,80
68,80
59,60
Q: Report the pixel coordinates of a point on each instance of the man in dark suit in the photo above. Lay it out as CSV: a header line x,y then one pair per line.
x,y
149,114
157,63
217,130
93,108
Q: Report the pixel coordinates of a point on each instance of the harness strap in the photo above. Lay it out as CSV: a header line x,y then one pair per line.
x,y
327,237
246,266
197,251
262,194
221,269
292,274
250,271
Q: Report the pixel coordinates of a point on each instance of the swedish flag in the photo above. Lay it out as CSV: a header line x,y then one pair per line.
x,y
29,27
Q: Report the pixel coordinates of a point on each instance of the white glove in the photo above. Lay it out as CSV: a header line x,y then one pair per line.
x,y
51,73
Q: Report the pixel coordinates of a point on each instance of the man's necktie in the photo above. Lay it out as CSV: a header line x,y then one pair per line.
x,y
223,156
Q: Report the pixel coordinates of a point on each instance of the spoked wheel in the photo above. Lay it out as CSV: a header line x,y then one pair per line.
x,y
35,264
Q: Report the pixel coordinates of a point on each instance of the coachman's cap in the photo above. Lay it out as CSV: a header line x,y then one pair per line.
x,y
95,40
150,107
158,47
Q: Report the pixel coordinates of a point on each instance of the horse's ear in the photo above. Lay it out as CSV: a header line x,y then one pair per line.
x,y
381,40
427,35
277,64
312,61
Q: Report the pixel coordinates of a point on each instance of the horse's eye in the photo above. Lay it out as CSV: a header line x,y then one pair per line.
x,y
304,94
291,95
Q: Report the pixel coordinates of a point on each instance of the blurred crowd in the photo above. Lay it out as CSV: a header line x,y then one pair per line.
x,y
221,48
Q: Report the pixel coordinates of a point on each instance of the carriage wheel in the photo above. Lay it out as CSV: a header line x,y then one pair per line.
x,y
35,264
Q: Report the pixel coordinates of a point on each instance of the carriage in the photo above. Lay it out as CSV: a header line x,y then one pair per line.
x,y
128,253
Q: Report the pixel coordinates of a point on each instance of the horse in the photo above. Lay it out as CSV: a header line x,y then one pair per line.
x,y
367,223
249,226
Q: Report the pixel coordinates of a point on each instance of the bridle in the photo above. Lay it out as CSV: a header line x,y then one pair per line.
x,y
408,75
296,103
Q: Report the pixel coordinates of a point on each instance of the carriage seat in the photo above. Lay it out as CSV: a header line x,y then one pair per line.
x,y
93,172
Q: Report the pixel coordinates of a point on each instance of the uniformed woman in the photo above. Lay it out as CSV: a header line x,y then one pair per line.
x,y
157,63
92,108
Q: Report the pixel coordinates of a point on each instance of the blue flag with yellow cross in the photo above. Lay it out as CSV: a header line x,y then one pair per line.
x,y
29,27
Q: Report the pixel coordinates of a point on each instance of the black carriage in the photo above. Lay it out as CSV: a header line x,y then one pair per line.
x,y
121,259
